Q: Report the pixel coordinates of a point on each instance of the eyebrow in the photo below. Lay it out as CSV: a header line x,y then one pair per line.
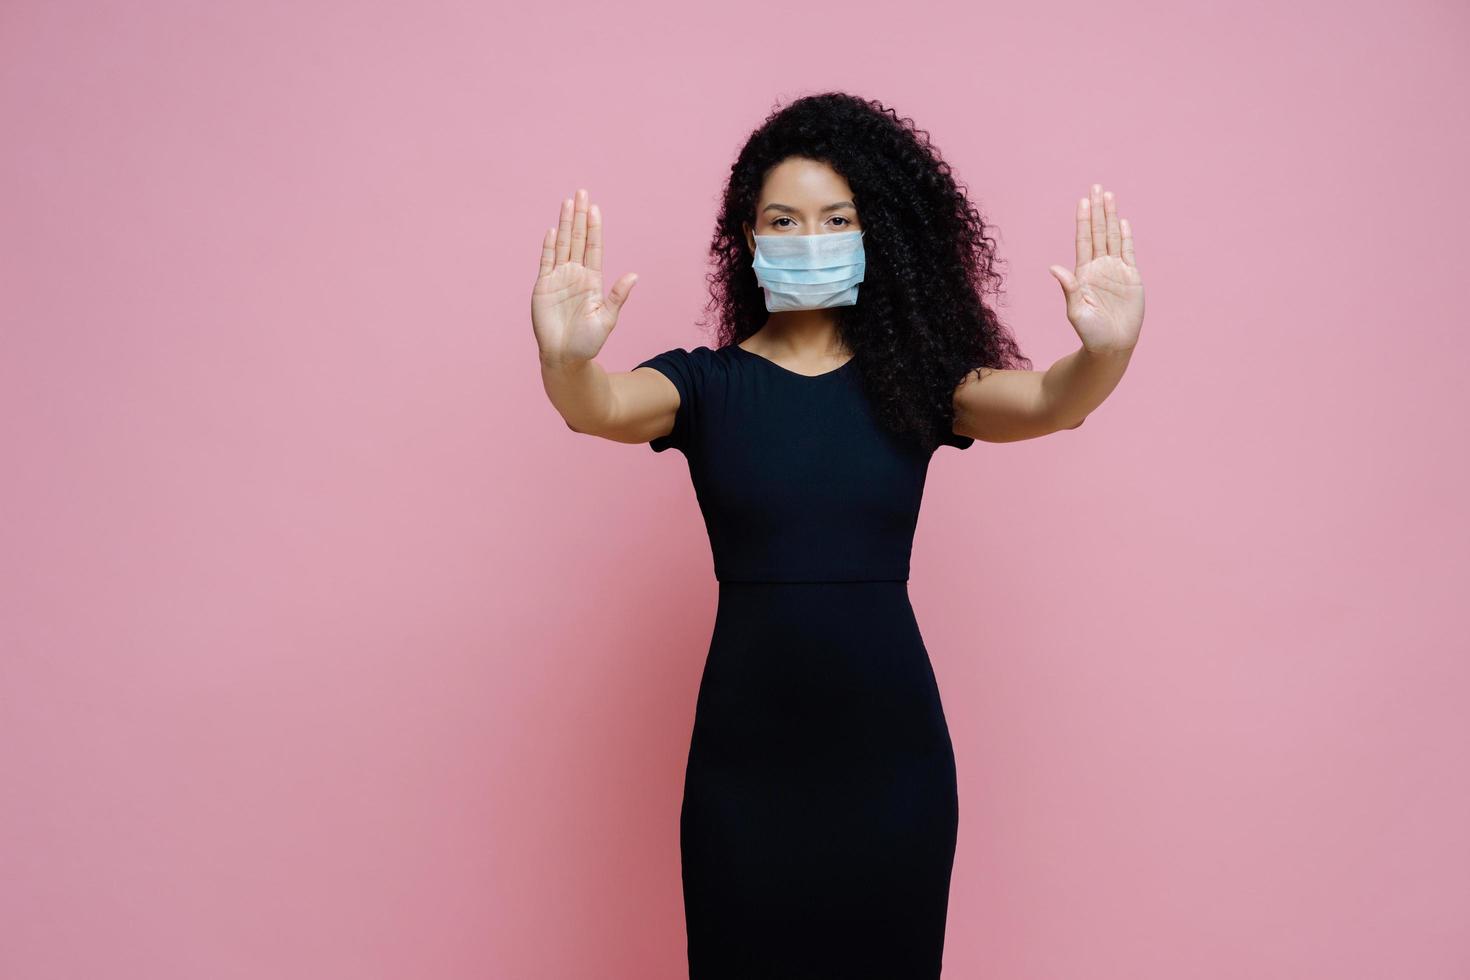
x,y
790,210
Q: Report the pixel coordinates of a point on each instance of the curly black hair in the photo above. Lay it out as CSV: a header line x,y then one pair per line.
x,y
921,324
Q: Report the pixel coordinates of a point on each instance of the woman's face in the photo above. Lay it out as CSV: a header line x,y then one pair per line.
x,y
803,197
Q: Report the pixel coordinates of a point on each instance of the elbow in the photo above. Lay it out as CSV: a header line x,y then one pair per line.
x,y
1059,426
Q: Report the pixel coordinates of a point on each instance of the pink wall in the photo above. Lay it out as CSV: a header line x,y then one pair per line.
x,y
329,652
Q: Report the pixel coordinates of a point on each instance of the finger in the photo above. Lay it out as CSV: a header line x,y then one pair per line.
x,y
1115,236
593,260
1099,226
1068,281
1127,230
618,295
1084,234
564,231
548,252
579,227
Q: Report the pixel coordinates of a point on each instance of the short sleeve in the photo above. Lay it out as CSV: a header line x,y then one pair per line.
x,y
682,368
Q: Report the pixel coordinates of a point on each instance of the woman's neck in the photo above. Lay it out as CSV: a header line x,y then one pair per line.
x,y
801,336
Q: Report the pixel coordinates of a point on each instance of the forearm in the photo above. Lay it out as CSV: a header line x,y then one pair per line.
x,y
1078,383
580,390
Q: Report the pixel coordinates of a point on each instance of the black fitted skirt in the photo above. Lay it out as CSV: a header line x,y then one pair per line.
x,y
817,832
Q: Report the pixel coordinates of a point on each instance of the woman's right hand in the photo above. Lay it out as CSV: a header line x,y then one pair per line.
x,y
570,316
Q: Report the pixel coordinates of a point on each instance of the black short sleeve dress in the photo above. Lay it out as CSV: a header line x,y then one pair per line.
x,y
819,817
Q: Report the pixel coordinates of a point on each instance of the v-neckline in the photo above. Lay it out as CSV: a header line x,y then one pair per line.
x,y
809,377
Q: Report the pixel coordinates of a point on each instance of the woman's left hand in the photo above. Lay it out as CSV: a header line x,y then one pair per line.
x,y
1105,292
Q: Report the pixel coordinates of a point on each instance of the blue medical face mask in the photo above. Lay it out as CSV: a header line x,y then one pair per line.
x,y
809,272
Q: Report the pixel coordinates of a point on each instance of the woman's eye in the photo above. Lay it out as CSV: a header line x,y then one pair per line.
x,y
777,221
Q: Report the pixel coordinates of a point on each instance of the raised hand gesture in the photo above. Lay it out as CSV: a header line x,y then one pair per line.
x,y
569,315
1105,292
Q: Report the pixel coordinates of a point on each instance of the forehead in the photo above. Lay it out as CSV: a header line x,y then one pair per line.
x,y
802,183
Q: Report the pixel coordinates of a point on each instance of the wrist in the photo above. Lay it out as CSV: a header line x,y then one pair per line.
x,y
1107,352
558,362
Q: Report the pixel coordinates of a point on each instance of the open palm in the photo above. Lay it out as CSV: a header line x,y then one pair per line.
x,y
1105,292
569,315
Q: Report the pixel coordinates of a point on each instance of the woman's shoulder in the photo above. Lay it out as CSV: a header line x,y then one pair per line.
x,y
698,375
690,365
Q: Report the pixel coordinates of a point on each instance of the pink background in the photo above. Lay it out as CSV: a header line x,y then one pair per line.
x,y
329,652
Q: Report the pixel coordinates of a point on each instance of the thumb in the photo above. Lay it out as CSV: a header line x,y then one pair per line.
x,y
1068,281
621,290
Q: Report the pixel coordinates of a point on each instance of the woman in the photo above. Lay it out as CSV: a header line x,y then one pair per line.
x,y
819,817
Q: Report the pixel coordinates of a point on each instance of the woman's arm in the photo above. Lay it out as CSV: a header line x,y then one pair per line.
x,y
623,406
571,320
1007,406
1104,305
